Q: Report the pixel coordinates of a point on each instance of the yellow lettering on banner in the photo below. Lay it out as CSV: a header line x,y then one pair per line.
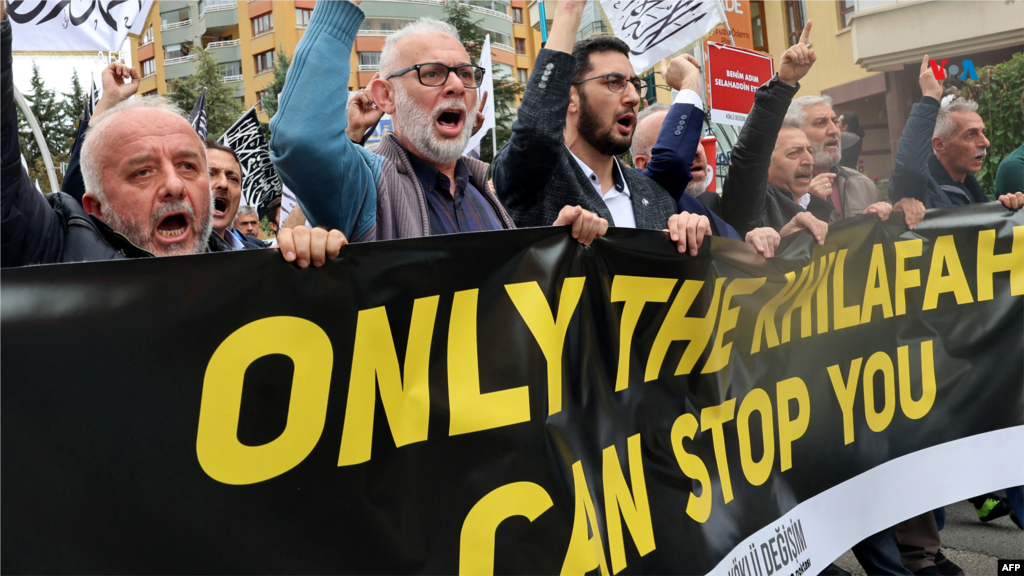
x,y
876,292
375,362
635,291
697,507
712,418
822,295
845,316
906,279
472,410
989,263
846,393
678,326
756,472
802,301
720,351
944,252
476,544
879,362
533,306
220,454
585,553
636,510
766,317
790,430
916,409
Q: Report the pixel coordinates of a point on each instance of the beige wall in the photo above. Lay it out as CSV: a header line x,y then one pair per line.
x,y
833,47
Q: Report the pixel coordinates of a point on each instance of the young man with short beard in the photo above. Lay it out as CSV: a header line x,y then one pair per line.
x,y
416,182
577,115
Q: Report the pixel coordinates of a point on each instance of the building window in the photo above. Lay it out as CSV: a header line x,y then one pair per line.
x,y
496,5
385,24
499,37
259,99
501,70
759,31
147,37
148,67
150,93
262,24
517,15
369,60
168,19
302,16
796,17
520,46
264,61
522,76
177,50
230,68
847,8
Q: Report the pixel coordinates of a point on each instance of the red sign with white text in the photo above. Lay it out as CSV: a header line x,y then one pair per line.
x,y
733,75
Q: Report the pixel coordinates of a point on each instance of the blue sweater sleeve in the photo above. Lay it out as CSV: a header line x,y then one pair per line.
x,y
676,148
334,180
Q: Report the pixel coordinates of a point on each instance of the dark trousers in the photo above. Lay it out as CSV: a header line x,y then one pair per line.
x,y
918,541
879,555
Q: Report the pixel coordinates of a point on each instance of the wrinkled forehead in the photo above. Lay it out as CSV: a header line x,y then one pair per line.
x,y
610,62
221,160
966,121
130,131
790,138
423,47
817,112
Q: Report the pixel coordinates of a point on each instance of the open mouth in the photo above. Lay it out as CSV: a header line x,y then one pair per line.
x,y
698,170
625,123
449,122
220,206
832,143
803,177
980,156
173,227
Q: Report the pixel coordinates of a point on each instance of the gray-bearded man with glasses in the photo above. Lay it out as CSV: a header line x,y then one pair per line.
x,y
416,182
578,113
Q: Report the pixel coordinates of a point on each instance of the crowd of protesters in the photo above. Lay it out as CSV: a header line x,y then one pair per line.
x,y
145,184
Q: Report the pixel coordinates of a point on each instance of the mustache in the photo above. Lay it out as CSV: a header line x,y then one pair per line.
x,y
445,105
170,208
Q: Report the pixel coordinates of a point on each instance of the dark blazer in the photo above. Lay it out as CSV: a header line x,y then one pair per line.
x,y
536,176
918,174
672,158
746,201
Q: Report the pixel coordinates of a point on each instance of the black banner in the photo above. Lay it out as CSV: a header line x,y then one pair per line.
x,y
510,402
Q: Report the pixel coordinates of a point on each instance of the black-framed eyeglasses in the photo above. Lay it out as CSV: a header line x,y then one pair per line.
x,y
617,83
436,74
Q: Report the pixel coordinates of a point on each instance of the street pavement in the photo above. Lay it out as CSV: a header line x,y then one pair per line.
x,y
972,545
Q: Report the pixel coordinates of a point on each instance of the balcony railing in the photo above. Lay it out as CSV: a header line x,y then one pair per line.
x,y
176,25
504,47
369,67
179,60
224,44
215,6
227,79
376,32
145,43
490,12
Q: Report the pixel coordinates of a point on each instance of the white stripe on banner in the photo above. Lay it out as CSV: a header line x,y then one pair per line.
x,y
884,496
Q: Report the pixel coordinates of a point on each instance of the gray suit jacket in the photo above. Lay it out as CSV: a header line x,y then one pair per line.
x,y
536,176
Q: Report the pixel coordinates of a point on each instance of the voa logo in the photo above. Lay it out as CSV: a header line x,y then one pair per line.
x,y
943,68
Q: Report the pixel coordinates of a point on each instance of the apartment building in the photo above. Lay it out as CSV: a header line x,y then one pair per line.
x,y
246,36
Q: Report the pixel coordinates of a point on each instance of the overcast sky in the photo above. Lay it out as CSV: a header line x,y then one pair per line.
x,y
57,71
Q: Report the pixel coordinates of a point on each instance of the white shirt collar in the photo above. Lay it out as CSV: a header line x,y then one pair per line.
x,y
805,200
620,183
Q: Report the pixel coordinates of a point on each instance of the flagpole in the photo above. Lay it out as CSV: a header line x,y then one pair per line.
x,y
494,142
40,141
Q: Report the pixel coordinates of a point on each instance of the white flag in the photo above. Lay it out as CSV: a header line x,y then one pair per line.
x,y
656,29
486,86
75,25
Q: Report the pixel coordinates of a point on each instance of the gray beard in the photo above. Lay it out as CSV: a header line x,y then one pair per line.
x,y
417,125
144,238
696,187
823,159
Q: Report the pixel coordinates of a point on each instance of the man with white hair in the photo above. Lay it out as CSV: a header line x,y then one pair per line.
x,y
416,182
147,190
849,191
941,148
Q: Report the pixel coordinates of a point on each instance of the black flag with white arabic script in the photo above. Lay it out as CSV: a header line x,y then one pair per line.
x,y
259,179
198,116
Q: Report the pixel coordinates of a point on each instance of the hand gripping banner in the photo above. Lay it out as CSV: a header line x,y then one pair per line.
x,y
511,402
